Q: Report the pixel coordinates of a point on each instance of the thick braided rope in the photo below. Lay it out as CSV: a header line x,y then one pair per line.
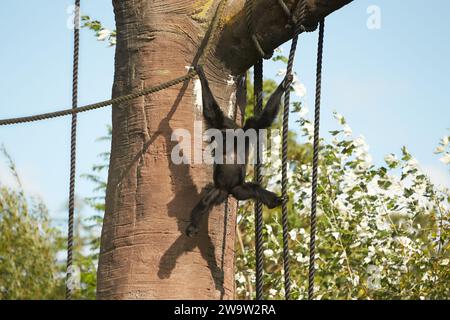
x,y
312,242
101,104
284,179
73,148
122,99
258,86
299,28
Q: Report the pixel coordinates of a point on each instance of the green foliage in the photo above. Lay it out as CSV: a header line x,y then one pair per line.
x,y
28,246
101,33
380,235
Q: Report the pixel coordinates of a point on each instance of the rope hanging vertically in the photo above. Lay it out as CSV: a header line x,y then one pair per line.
x,y
258,73
73,147
313,220
284,179
299,28
258,105
259,244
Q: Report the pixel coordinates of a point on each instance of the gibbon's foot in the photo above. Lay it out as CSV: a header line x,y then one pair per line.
x,y
192,230
275,202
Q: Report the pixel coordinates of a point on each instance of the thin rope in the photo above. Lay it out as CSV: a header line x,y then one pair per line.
x,y
284,179
312,242
259,244
122,99
73,148
299,28
249,6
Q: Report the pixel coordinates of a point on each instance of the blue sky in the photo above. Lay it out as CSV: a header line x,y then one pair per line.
x,y
390,84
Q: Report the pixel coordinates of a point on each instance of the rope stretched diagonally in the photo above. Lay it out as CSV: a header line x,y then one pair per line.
x,y
122,99
101,104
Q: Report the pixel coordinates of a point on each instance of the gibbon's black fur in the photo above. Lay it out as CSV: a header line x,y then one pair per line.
x,y
230,178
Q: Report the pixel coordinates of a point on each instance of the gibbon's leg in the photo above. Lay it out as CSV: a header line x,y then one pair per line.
x,y
211,111
254,191
213,197
270,112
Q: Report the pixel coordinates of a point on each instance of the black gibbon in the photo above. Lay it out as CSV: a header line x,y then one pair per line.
x,y
229,178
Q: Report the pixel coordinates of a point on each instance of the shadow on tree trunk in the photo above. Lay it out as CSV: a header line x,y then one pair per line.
x,y
184,188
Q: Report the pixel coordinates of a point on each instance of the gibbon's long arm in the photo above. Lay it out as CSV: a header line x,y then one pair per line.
x,y
211,111
270,112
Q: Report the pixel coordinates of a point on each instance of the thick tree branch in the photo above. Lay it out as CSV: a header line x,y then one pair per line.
x,y
235,49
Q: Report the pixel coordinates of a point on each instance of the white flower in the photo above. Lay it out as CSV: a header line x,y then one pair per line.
x,y
445,159
347,130
445,262
355,280
293,234
413,164
302,259
268,253
281,73
299,89
373,269
241,278
404,241
439,149
373,282
273,292
372,187
382,224
103,34
335,235
445,141
356,244
391,160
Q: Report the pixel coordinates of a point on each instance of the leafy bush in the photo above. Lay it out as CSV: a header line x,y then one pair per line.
x,y
383,231
28,247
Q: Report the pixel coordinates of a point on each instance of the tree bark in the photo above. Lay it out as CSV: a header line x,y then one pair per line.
x,y
144,252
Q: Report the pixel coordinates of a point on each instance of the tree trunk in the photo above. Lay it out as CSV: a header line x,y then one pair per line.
x,y
144,252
